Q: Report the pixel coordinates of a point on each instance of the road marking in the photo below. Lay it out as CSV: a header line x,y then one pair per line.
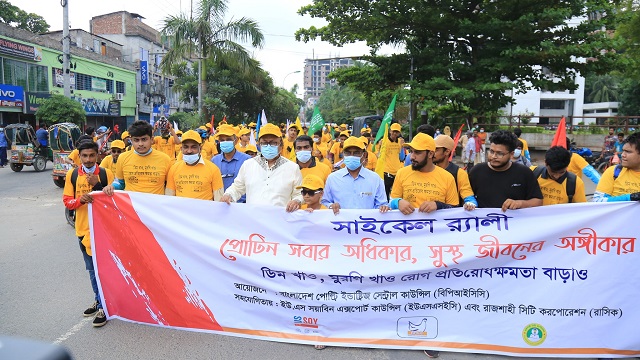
x,y
73,330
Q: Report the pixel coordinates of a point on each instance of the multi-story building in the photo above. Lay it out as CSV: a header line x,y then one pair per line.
x,y
143,46
32,71
316,72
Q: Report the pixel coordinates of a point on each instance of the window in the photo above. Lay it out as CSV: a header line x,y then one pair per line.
x,y
552,104
38,80
83,82
120,87
15,73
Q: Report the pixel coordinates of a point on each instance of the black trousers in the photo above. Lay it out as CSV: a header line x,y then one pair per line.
x,y
388,184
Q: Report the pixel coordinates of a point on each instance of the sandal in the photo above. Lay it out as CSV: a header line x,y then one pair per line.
x,y
319,347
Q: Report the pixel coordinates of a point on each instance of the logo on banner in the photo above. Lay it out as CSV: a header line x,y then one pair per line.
x,y
425,327
534,334
307,322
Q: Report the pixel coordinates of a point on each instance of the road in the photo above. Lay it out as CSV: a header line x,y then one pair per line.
x,y
44,289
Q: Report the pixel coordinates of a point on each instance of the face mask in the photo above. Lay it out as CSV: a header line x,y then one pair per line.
x,y
145,154
191,159
180,138
316,140
89,170
269,151
517,153
482,130
303,156
352,162
227,146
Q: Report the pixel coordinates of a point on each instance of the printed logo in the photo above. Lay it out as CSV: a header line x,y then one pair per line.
x,y
304,321
425,327
534,334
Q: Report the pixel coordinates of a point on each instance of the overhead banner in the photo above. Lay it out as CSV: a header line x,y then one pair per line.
x,y
555,281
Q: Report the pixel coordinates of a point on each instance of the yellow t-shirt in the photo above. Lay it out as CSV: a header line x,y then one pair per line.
x,y
392,161
321,147
196,182
145,174
210,149
167,146
322,207
554,193
82,213
241,148
75,157
463,185
577,164
287,148
326,137
372,160
417,187
525,145
336,150
320,170
108,163
628,182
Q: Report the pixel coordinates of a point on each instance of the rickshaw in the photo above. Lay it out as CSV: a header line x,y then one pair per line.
x,y
62,139
25,148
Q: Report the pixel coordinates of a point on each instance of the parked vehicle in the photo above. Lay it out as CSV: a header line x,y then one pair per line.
x,y
62,139
25,148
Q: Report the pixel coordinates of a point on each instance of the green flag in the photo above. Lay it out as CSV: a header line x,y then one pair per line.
x,y
317,122
386,120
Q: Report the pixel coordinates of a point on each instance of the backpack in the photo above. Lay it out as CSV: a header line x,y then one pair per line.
x,y
102,173
616,171
571,180
453,170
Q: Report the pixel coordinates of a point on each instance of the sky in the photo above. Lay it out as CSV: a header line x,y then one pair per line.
x,y
278,20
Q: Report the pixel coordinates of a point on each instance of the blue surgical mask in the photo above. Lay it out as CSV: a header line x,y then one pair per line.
x,y
191,159
145,154
89,170
352,162
303,156
227,146
517,153
270,152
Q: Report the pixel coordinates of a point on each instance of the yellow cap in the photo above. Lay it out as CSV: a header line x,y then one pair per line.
x,y
124,135
395,127
179,132
422,142
444,141
192,135
365,130
226,130
244,131
270,129
343,126
251,148
345,133
364,140
311,182
294,125
252,124
203,128
353,141
117,144
208,125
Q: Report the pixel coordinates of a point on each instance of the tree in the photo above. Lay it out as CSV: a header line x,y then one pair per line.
x,y
59,109
630,98
340,104
603,88
16,17
470,52
208,36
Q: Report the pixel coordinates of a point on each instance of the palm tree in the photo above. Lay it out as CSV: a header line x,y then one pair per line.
x,y
207,36
603,89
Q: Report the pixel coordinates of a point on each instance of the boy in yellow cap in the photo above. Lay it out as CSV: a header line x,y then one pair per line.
x,y
251,150
126,138
194,177
392,162
370,158
167,140
311,190
408,192
178,147
288,142
244,135
335,154
110,161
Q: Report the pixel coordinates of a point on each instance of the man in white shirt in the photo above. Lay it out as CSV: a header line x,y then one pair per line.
x,y
268,178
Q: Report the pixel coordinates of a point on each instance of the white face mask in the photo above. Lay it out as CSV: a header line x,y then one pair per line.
x,y
316,140
191,159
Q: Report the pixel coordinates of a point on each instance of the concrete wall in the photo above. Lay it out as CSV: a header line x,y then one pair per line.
x,y
543,141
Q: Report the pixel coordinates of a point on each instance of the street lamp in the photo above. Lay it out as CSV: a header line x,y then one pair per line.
x,y
285,78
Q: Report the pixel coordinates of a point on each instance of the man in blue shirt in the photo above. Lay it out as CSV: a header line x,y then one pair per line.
x,y
3,148
229,160
354,186
43,135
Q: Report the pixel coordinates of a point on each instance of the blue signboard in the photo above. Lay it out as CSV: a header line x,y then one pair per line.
x,y
11,96
144,72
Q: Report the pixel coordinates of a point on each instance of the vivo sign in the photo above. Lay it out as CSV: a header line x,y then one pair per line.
x,y
12,96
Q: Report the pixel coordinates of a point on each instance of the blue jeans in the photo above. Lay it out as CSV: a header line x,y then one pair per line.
x,y
3,156
88,264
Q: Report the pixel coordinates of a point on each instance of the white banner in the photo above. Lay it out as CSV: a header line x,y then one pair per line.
x,y
556,281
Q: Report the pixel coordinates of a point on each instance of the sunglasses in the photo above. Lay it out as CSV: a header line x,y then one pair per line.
x,y
116,151
310,192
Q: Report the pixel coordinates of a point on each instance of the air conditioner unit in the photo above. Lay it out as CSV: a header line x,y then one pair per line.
x,y
119,96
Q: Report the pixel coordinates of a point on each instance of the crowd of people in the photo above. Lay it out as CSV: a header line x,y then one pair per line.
x,y
318,171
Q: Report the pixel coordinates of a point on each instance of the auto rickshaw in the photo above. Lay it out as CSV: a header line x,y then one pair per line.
x,y
62,138
25,148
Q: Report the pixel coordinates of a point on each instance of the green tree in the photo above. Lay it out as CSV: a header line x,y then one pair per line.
x,y
340,104
186,120
59,109
602,88
468,53
208,36
16,17
630,98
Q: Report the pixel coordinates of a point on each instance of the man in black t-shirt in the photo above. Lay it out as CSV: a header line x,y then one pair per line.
x,y
499,183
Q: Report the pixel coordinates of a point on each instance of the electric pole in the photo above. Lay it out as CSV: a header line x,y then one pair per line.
x,y
65,48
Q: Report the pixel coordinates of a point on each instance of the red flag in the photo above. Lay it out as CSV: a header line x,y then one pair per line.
x,y
455,141
212,127
560,138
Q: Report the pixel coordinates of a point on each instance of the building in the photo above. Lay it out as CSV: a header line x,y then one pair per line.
x,y
316,72
32,71
598,113
90,42
142,45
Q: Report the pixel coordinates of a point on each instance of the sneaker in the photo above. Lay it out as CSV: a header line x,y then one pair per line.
x,y
100,319
432,353
91,311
